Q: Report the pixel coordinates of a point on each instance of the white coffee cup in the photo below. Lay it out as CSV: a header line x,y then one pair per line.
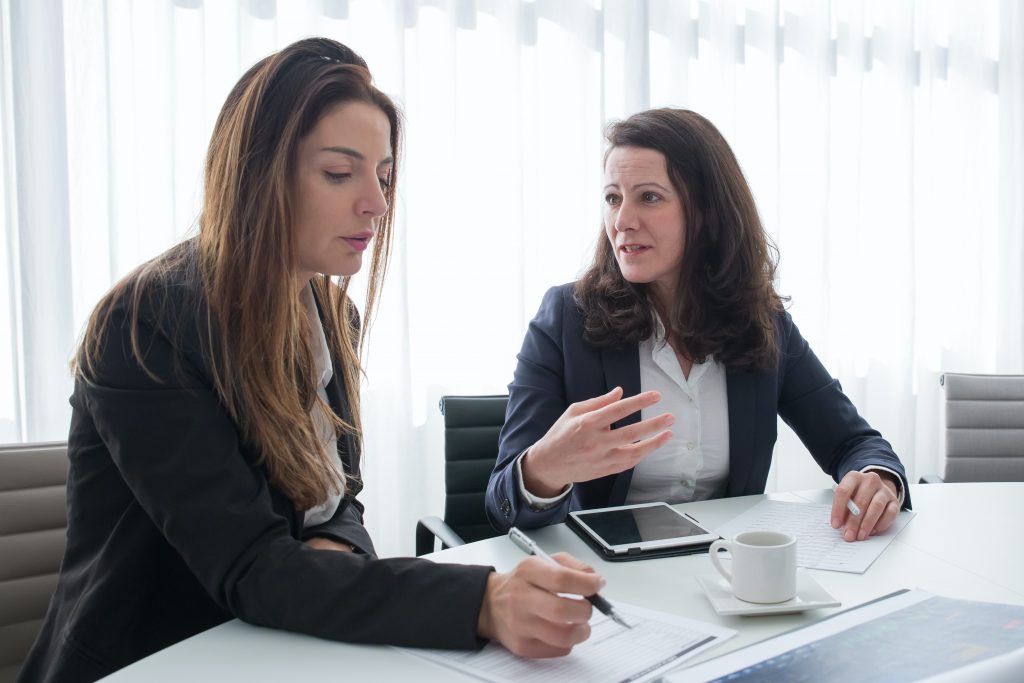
x,y
763,565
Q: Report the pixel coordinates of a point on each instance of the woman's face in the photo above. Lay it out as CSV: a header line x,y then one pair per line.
x,y
344,165
643,217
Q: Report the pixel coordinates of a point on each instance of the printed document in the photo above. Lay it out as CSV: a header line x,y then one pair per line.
x,y
818,545
656,643
908,636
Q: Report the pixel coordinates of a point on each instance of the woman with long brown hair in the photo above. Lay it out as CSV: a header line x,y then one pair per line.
x,y
676,324
215,438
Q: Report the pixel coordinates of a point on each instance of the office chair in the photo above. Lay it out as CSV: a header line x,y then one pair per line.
x,y
984,428
33,528
471,426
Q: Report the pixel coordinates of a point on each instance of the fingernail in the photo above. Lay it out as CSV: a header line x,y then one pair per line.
x,y
835,522
601,583
862,535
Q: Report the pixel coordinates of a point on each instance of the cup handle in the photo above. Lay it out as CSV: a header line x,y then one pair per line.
x,y
713,553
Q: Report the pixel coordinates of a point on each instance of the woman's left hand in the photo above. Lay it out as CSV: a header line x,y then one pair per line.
x,y
327,544
875,494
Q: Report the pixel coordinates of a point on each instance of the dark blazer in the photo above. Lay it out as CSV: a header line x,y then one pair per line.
x,y
557,368
173,528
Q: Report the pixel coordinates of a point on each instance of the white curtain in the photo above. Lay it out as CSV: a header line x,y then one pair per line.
x,y
884,141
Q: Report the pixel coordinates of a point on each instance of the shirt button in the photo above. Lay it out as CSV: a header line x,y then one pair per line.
x,y
690,445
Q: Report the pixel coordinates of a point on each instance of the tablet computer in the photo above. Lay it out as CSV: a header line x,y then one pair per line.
x,y
633,529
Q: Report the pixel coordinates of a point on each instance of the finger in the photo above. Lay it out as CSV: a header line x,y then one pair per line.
x,y
624,457
592,404
559,635
616,411
567,560
535,649
635,432
559,579
892,509
841,495
872,513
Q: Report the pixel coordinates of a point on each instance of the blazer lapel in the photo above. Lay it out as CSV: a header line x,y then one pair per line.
x,y
621,369
348,449
742,400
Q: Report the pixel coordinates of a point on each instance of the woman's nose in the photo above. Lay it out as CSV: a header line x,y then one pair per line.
x,y
373,203
625,218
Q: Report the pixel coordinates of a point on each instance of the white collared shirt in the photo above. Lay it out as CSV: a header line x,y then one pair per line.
x,y
322,374
694,463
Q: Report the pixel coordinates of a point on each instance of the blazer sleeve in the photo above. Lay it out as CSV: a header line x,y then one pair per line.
x,y
346,526
537,398
179,452
813,404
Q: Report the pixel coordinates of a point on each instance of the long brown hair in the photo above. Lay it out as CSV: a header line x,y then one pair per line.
x,y
725,299
257,338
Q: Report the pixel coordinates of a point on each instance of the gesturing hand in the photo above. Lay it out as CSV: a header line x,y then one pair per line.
x,y
582,446
524,611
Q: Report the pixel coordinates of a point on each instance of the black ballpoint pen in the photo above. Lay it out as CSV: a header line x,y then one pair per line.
x,y
528,546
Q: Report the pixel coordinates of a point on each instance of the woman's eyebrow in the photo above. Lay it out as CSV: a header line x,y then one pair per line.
x,y
355,154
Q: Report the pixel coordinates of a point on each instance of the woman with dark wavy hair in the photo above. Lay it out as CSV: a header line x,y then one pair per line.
x,y
215,436
676,324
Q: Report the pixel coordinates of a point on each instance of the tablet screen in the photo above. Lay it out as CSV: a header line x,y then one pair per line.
x,y
641,524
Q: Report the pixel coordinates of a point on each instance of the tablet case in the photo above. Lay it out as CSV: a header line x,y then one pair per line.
x,y
634,553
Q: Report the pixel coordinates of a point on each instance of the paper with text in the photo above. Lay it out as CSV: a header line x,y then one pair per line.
x,y
818,545
657,642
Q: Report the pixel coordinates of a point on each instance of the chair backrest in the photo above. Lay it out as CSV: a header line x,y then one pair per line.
x,y
984,427
471,426
33,527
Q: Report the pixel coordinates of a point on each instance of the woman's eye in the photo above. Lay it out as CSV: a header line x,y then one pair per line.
x,y
612,199
337,177
650,197
384,183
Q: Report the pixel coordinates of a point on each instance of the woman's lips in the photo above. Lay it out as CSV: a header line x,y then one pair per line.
x,y
633,249
358,243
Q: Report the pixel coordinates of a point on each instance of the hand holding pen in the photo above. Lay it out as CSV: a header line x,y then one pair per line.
x,y
864,504
527,545
528,609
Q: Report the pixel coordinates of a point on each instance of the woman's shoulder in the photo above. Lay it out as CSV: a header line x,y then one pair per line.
x,y
166,286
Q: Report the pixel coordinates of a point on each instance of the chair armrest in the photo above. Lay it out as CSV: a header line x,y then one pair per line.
x,y
429,527
931,479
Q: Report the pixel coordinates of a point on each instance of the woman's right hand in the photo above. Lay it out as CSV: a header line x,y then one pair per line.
x,y
526,612
582,445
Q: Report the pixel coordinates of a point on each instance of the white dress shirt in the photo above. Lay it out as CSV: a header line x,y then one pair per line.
x,y
694,463
322,374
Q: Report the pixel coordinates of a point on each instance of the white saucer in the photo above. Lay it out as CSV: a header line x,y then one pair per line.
x,y
809,595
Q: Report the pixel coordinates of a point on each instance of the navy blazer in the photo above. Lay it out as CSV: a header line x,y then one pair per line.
x,y
557,368
174,526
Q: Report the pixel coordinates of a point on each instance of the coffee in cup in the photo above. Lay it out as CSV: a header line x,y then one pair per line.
x,y
763,565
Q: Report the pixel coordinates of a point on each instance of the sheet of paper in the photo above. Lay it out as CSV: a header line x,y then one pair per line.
x,y
911,636
818,545
657,642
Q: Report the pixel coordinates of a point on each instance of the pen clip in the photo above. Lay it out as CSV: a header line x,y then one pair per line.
x,y
521,540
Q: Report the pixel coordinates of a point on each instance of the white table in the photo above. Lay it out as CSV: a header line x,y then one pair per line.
x,y
965,542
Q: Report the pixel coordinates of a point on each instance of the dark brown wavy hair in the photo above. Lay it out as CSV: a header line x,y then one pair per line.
x,y
259,342
725,299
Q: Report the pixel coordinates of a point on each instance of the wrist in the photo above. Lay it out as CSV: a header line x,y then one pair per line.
x,y
533,476
485,620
